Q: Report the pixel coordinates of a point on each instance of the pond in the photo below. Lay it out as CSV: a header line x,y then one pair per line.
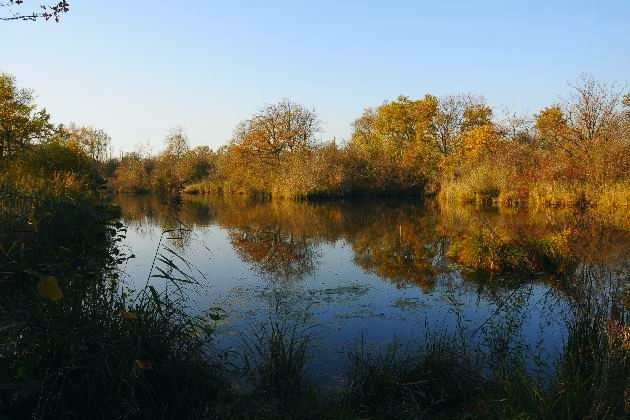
x,y
351,274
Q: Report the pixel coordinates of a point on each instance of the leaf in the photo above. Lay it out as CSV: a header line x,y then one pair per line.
x,y
49,288
129,316
143,364
20,373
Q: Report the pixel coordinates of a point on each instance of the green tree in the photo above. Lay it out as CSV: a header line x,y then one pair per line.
x,y
20,121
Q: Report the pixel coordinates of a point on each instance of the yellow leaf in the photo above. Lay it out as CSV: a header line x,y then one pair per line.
x,y
143,364
129,316
49,288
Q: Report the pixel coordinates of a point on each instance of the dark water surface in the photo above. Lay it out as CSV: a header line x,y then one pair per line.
x,y
371,272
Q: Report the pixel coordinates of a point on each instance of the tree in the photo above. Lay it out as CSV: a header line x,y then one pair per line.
x,y
591,114
260,143
20,122
51,11
131,175
450,118
518,127
479,135
176,143
276,129
592,109
197,164
396,143
95,143
553,127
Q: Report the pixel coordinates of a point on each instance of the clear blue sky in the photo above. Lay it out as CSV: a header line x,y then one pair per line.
x,y
136,68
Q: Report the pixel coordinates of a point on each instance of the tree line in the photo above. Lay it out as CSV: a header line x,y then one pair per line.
x,y
574,152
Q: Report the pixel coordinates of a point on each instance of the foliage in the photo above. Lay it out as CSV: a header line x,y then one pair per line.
x,y
20,121
131,174
394,143
94,142
261,143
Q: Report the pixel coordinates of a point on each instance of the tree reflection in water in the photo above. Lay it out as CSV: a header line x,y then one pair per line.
x,y
275,254
403,242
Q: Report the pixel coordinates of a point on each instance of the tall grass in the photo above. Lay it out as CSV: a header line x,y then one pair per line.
x,y
76,341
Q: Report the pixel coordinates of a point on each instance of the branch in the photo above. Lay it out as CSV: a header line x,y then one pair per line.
x,y
51,12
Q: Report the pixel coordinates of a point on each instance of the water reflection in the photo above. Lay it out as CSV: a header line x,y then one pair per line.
x,y
376,269
276,254
403,242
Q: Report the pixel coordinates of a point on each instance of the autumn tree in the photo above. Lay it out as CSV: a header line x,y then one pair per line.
x,y
591,114
131,175
449,120
518,127
176,143
96,143
168,176
593,109
553,128
479,135
396,143
259,144
197,164
403,122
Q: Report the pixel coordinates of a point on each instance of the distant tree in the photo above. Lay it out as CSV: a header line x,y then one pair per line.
x,y
479,135
131,175
591,114
476,115
593,108
449,120
260,143
396,143
518,127
50,11
176,143
95,143
404,122
196,164
553,127
276,129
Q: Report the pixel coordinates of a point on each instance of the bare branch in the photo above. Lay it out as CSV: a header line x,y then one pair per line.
x,y
47,12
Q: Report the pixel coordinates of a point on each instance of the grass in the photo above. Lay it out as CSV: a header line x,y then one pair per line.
x,y
75,341
102,350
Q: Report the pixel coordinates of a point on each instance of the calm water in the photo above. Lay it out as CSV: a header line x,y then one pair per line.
x,y
371,272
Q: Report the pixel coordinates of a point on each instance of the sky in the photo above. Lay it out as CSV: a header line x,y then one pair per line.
x,y
138,68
